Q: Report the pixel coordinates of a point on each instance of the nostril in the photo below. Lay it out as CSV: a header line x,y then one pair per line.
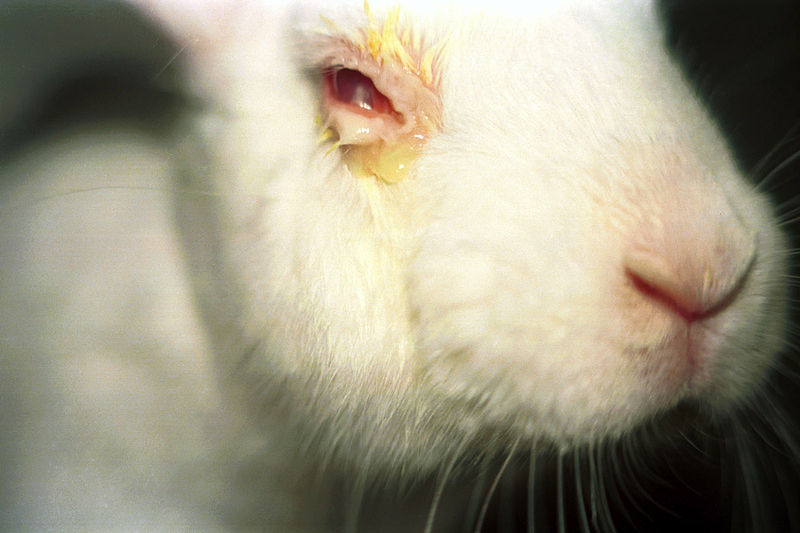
x,y
655,279
665,296
688,285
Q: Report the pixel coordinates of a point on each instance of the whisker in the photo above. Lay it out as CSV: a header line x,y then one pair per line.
x,y
604,508
476,498
354,505
770,176
749,472
148,188
632,477
758,169
560,492
493,486
584,520
794,215
594,488
617,489
531,486
359,490
169,62
440,486
787,444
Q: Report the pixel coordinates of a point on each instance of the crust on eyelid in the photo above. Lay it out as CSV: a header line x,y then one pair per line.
x,y
418,104
396,59
384,145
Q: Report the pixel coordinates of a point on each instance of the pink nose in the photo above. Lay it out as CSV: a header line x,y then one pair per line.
x,y
693,285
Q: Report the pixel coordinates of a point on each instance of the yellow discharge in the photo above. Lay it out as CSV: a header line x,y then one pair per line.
x,y
395,43
389,163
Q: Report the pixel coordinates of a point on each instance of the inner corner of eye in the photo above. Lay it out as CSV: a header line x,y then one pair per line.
x,y
355,91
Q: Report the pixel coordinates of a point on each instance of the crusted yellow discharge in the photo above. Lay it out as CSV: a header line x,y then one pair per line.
x,y
389,163
426,65
396,45
397,41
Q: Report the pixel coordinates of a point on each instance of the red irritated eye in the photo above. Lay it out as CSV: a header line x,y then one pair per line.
x,y
352,88
380,134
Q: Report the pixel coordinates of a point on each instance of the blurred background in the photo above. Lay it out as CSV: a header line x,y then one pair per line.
x,y
80,61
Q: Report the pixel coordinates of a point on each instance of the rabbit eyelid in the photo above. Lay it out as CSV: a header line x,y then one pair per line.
x,y
379,96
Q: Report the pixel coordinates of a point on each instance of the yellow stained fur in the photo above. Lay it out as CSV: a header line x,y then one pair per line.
x,y
392,43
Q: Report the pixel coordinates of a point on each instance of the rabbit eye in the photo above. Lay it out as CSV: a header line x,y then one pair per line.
x,y
375,138
352,88
378,94
356,110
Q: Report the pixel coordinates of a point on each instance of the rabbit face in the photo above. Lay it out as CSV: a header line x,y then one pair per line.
x,y
443,229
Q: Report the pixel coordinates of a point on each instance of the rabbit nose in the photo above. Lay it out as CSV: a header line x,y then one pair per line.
x,y
694,282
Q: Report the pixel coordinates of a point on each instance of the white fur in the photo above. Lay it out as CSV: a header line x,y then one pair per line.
x,y
483,301
494,276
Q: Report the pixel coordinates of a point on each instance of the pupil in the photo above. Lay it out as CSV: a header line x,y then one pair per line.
x,y
354,88
351,87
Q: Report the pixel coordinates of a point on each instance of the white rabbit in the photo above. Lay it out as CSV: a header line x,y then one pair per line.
x,y
418,238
